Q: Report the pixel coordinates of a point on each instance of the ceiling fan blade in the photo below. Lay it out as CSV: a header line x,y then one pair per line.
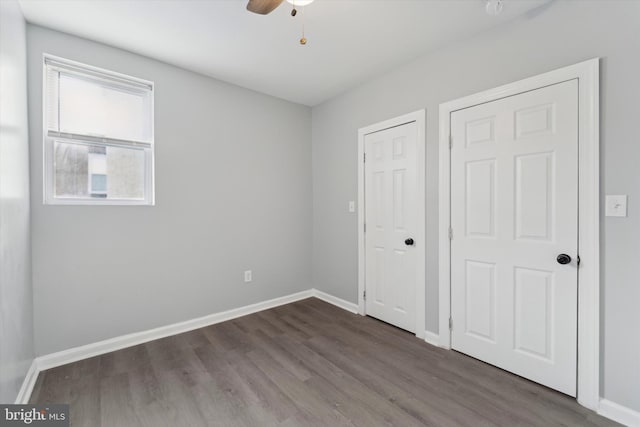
x,y
262,7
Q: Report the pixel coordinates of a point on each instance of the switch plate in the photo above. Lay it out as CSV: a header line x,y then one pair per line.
x,y
248,276
616,205
352,206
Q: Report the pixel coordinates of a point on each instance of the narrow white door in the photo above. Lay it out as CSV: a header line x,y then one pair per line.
x,y
390,218
514,213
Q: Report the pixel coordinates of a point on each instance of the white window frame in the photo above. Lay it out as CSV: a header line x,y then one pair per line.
x,y
50,137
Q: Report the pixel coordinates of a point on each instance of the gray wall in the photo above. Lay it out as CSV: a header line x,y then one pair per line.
x,y
16,310
560,34
233,192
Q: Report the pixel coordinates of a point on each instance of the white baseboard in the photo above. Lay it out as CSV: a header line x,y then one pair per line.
x,y
117,343
27,385
619,413
431,338
606,408
339,302
101,347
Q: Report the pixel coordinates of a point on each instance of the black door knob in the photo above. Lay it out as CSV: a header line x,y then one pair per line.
x,y
563,259
409,242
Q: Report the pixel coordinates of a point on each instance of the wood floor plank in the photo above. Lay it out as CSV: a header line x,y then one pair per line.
x,y
395,387
115,402
314,405
373,407
307,363
271,397
285,358
147,398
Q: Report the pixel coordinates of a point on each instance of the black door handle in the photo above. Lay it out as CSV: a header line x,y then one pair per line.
x,y
409,242
563,259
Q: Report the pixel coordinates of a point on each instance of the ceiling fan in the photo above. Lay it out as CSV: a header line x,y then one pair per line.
x,y
264,7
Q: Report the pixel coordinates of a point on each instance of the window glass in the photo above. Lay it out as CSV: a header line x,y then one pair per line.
x,y
80,171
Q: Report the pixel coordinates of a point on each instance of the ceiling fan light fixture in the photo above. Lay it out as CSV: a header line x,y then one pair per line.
x,y
300,3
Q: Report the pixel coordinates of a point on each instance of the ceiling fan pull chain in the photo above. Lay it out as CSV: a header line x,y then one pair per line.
x,y
303,40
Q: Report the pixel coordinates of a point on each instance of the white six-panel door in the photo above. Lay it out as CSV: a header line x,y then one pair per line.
x,y
514,209
390,217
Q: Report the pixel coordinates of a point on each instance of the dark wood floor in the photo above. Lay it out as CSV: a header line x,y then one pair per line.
x,y
306,363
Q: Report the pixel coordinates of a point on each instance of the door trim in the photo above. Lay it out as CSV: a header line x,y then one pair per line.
x,y
587,73
419,117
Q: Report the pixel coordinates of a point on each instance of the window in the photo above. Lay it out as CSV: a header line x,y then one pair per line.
x,y
98,136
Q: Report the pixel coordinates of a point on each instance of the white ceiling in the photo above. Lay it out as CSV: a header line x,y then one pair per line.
x,y
349,40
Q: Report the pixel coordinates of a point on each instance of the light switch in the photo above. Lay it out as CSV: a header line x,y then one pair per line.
x,y
616,205
352,206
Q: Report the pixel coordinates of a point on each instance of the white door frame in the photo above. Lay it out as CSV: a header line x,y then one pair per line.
x,y
587,73
419,117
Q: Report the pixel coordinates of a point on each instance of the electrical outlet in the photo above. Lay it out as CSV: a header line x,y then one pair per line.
x,y
248,276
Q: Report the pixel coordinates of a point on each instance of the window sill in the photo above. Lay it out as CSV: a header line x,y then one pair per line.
x,y
90,202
